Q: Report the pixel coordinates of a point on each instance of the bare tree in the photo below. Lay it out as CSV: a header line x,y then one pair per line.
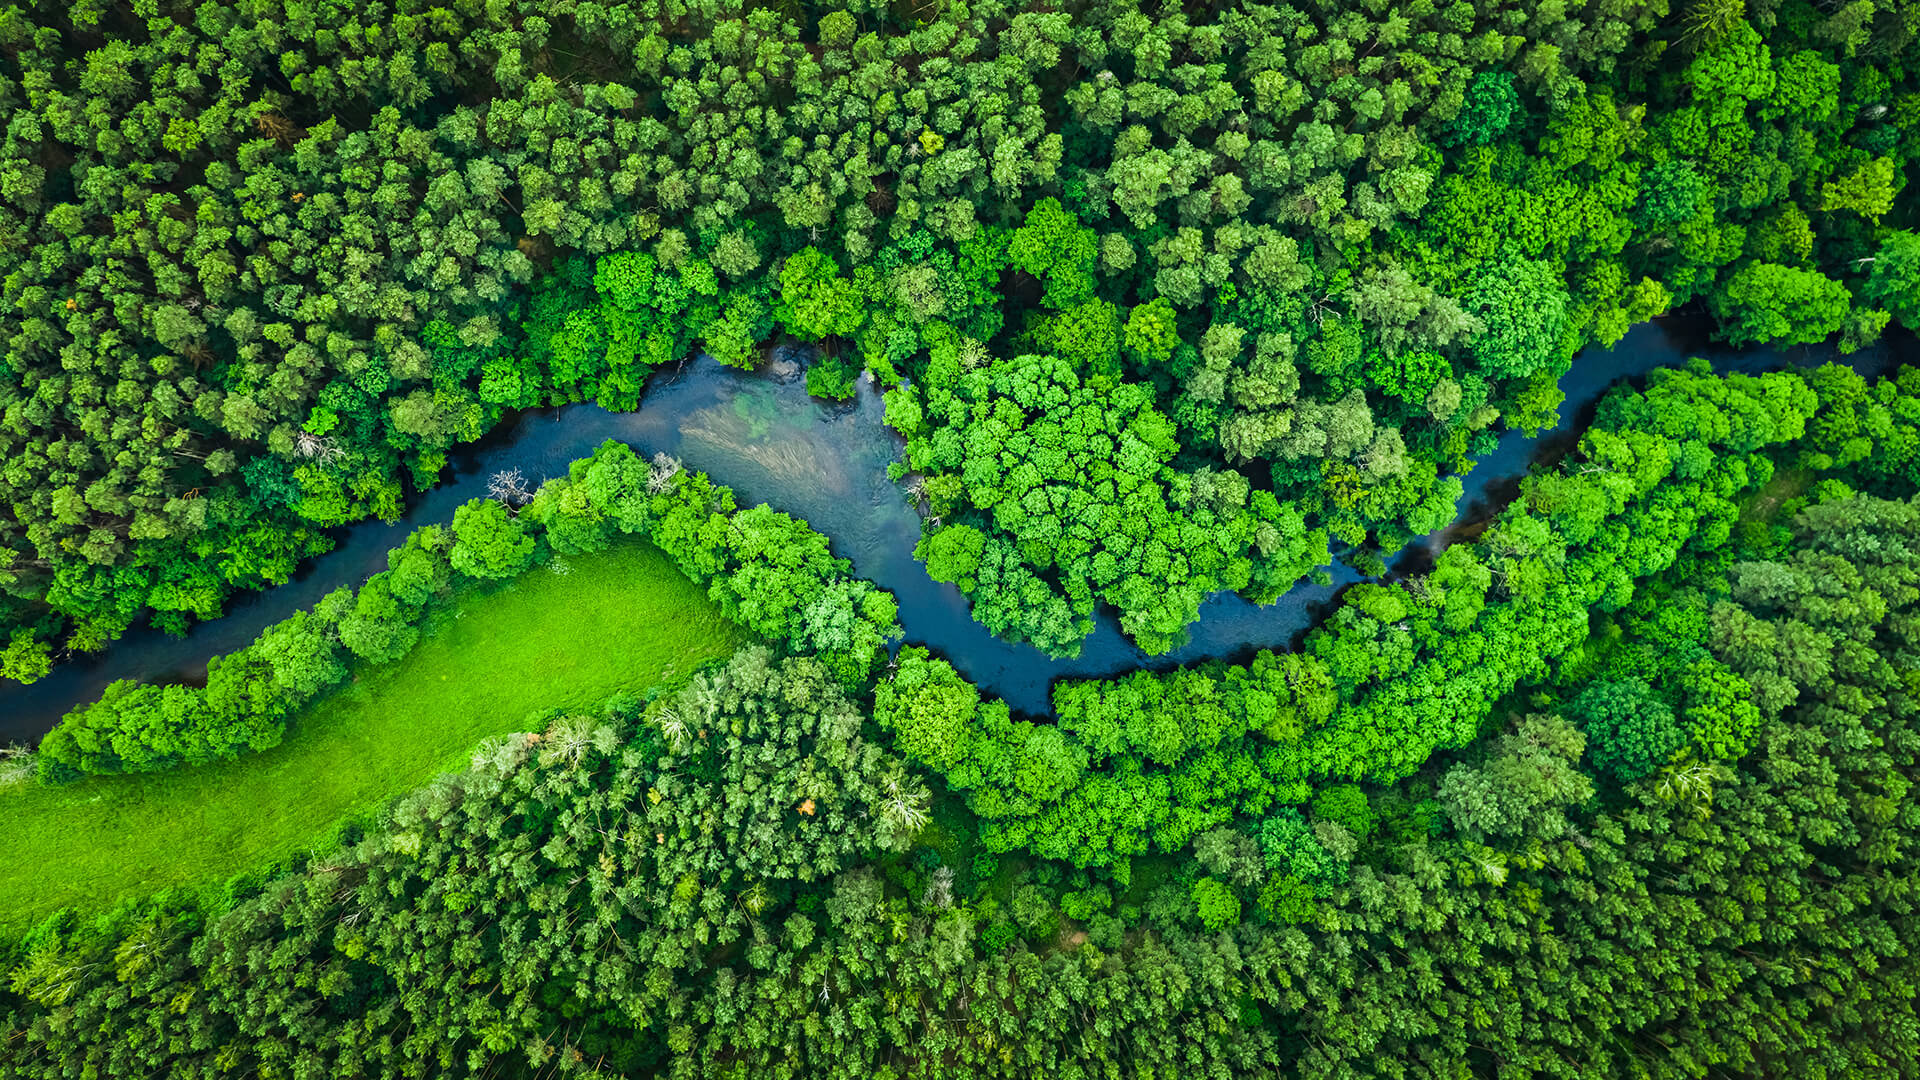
x,y
571,738
315,447
1486,861
660,475
504,754
509,486
916,490
756,898
1322,308
1691,785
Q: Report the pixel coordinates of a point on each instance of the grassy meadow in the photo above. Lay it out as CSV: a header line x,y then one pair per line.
x,y
623,619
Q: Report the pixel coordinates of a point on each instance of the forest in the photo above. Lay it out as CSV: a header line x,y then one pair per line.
x,y
1606,771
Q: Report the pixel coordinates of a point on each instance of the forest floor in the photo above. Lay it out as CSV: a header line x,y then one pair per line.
x,y
1764,505
623,619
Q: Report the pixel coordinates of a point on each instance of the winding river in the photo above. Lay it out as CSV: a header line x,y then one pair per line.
x,y
760,434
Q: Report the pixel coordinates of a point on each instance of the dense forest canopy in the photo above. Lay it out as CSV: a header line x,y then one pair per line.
x,y
726,880
267,264
1165,301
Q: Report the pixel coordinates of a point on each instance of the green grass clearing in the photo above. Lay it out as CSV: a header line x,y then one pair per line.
x,y
1787,484
623,619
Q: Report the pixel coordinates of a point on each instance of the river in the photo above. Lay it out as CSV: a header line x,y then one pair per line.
x,y
760,434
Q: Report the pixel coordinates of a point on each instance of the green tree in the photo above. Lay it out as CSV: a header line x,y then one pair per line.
x,y
1216,904
1629,729
1151,332
1292,847
1528,778
815,301
1523,308
1893,280
1491,105
303,654
1766,302
929,708
953,553
1867,190
490,543
26,658
1670,193
1054,247
379,628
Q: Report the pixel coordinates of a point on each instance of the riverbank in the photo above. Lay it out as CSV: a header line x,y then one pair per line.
x,y
761,435
623,619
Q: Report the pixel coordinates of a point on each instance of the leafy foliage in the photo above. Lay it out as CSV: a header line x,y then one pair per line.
x,y
1631,731
738,846
1071,500
1164,299
767,571
265,270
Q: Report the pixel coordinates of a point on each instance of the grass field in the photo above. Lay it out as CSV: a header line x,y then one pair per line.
x,y
621,619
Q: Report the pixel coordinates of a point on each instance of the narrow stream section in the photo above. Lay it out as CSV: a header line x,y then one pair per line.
x,y
761,435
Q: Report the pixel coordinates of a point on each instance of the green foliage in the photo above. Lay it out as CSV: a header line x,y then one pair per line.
x,y
26,657
1522,305
379,626
1344,243
1630,730
303,654
815,301
376,238
491,655
1736,69
1769,302
1867,190
743,828
767,571
565,512
1396,673
490,543
1287,899
1491,106
1217,905
1087,335
142,728
929,709
1413,377
1522,788
1346,806
1054,247
832,378
1894,280
1152,333
1292,848
1670,193
770,572
1071,500
953,553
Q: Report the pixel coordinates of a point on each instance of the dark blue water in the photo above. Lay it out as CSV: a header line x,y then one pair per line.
x,y
760,434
